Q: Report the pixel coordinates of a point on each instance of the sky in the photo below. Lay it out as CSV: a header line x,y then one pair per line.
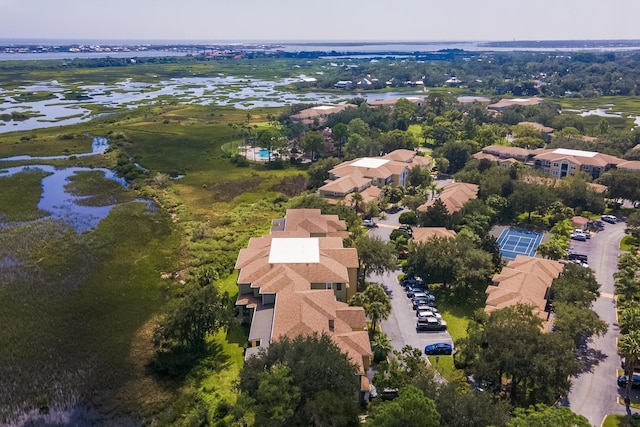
x,y
281,20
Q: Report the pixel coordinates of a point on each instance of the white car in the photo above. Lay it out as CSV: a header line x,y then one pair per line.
x,y
368,223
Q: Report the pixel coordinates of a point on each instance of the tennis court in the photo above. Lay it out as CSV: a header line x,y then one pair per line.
x,y
516,242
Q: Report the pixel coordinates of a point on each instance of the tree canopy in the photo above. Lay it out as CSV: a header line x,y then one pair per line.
x,y
316,369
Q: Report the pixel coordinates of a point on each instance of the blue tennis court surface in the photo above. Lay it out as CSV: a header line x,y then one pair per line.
x,y
516,242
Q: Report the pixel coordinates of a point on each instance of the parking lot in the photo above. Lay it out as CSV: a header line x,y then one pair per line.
x,y
400,327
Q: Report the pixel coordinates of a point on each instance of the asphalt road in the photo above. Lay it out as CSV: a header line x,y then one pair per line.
x,y
400,327
594,391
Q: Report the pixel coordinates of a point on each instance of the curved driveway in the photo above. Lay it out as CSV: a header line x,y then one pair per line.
x,y
594,391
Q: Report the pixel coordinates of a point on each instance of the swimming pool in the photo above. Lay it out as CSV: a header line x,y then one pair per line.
x,y
263,154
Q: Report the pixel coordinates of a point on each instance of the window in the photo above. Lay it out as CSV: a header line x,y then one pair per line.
x,y
329,286
573,167
555,173
555,164
338,286
545,169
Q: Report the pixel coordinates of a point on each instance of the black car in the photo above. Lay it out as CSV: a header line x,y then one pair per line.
x,y
635,382
438,349
428,300
574,256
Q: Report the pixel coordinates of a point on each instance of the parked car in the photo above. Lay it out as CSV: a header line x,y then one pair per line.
x,y
424,311
596,225
417,293
412,282
611,219
427,299
635,382
579,237
369,223
430,324
423,301
574,256
407,229
438,348
581,231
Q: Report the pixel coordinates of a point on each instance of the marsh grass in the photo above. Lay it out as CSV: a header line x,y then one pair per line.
x,y
96,190
78,308
19,196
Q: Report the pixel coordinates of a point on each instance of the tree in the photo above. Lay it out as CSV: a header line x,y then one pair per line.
x,y
356,201
319,171
406,367
457,152
435,215
542,415
576,285
376,304
509,344
419,176
529,197
633,224
276,397
381,347
316,365
622,184
312,142
410,409
577,323
460,408
433,261
396,139
375,255
629,318
629,345
553,249
404,113
203,310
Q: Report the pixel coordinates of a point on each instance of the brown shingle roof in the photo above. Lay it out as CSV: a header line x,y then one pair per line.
x,y
422,234
346,184
524,280
454,196
254,266
313,221
633,165
308,312
537,126
576,157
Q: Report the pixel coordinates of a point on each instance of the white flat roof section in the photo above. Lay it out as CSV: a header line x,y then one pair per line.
x,y
369,162
291,250
578,153
324,107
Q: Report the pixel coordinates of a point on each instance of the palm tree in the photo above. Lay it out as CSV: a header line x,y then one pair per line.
x,y
381,346
356,201
629,319
630,349
627,285
376,304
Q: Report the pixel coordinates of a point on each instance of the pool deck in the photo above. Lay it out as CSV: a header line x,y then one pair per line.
x,y
253,154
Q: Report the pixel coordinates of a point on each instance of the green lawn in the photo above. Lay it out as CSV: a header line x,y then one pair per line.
x,y
629,243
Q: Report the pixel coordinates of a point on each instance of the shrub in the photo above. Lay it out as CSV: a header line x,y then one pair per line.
x,y
408,218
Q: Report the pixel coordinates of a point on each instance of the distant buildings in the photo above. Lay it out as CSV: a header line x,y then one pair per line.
x,y
556,162
367,175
